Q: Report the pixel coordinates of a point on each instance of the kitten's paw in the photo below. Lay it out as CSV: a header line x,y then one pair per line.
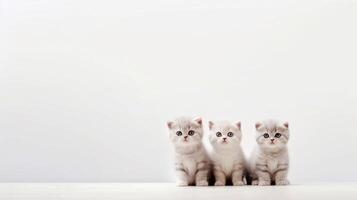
x,y
263,183
255,182
219,183
238,183
202,183
282,182
182,184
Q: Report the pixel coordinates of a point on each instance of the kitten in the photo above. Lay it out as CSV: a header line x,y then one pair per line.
x,y
191,159
269,161
227,155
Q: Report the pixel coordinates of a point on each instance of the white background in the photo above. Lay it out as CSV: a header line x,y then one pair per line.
x,y
86,87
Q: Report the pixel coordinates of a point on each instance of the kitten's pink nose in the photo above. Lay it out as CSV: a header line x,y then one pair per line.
x,y
224,139
185,136
272,139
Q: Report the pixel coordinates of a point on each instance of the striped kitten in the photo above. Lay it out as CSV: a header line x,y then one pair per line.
x,y
269,161
227,155
191,160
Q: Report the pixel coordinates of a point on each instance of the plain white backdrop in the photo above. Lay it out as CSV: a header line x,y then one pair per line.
x,y
86,86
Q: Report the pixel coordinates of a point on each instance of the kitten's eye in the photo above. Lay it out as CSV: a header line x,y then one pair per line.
x,y
191,132
277,135
266,135
230,134
219,134
178,133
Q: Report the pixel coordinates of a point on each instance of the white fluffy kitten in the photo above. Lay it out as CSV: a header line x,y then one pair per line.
x,y
269,160
227,155
191,160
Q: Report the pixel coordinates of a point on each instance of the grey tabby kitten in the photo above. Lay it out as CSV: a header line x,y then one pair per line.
x,y
269,161
227,154
191,159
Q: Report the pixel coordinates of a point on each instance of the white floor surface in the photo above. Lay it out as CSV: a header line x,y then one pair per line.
x,y
157,191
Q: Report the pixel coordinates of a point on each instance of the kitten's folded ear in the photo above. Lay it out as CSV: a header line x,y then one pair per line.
x,y
286,124
210,125
169,124
258,125
198,120
238,125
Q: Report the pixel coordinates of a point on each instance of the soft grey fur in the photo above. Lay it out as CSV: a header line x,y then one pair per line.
x,y
270,160
191,159
227,155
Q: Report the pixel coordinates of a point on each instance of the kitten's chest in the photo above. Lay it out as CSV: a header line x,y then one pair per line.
x,y
272,164
226,162
227,166
190,164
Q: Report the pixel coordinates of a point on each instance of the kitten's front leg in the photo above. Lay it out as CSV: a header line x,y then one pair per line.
x,y
281,175
263,175
181,175
202,173
255,182
219,176
237,175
